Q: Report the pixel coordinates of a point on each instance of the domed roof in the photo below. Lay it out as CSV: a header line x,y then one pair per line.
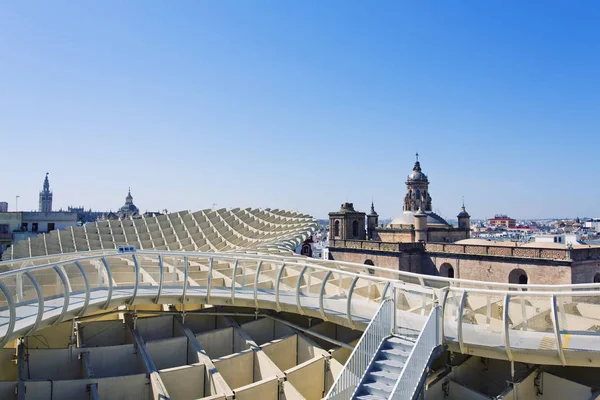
x,y
373,213
416,174
463,214
129,207
408,218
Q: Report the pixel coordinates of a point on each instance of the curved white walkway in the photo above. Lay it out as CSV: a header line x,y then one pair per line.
x,y
536,326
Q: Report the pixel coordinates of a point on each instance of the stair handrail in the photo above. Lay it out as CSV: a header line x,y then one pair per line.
x,y
379,328
410,379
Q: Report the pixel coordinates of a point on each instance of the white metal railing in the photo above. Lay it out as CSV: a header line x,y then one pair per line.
x,y
380,327
103,277
429,281
415,368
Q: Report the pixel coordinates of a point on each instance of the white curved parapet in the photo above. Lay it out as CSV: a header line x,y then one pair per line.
x,y
545,324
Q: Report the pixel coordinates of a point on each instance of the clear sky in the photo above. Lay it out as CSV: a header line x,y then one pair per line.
x,y
302,104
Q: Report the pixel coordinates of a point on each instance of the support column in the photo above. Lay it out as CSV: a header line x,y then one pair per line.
x,y
159,391
214,383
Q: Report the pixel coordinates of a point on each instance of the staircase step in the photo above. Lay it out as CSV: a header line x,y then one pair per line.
x,y
377,389
386,376
369,397
389,364
401,341
396,353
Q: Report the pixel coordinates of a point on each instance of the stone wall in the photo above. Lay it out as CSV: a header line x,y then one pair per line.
x,y
584,271
408,235
409,261
446,235
497,269
394,235
476,262
506,251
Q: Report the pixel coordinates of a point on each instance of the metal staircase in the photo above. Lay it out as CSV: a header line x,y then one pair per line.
x,y
379,380
384,365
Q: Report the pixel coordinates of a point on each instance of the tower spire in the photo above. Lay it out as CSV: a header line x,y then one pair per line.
x,y
45,199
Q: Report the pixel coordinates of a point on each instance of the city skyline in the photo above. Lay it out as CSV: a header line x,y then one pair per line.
x,y
319,217
302,106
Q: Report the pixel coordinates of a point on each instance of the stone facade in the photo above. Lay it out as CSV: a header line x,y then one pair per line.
x,y
492,263
347,223
395,256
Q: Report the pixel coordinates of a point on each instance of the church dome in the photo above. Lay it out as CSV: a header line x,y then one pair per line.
x,y
407,218
463,214
417,175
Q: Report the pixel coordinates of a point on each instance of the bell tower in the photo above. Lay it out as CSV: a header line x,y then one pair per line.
x,y
46,197
464,220
372,221
347,224
417,190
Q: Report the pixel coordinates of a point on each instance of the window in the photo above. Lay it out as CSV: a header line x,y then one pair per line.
x,y
518,276
306,250
50,226
34,227
24,226
336,228
355,229
447,270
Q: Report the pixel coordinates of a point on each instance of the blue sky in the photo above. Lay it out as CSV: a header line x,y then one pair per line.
x,y
302,104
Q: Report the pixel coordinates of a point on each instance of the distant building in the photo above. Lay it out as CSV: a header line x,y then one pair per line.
x,y
593,224
3,206
417,223
502,220
84,216
347,223
46,197
128,211
566,239
44,222
21,225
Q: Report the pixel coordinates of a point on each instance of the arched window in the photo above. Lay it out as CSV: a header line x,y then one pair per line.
x,y
336,228
597,278
355,229
447,270
371,271
418,194
518,276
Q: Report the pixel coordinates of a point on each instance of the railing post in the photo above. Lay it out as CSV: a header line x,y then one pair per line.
x,y
161,278
505,327
233,281
19,278
554,307
394,321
